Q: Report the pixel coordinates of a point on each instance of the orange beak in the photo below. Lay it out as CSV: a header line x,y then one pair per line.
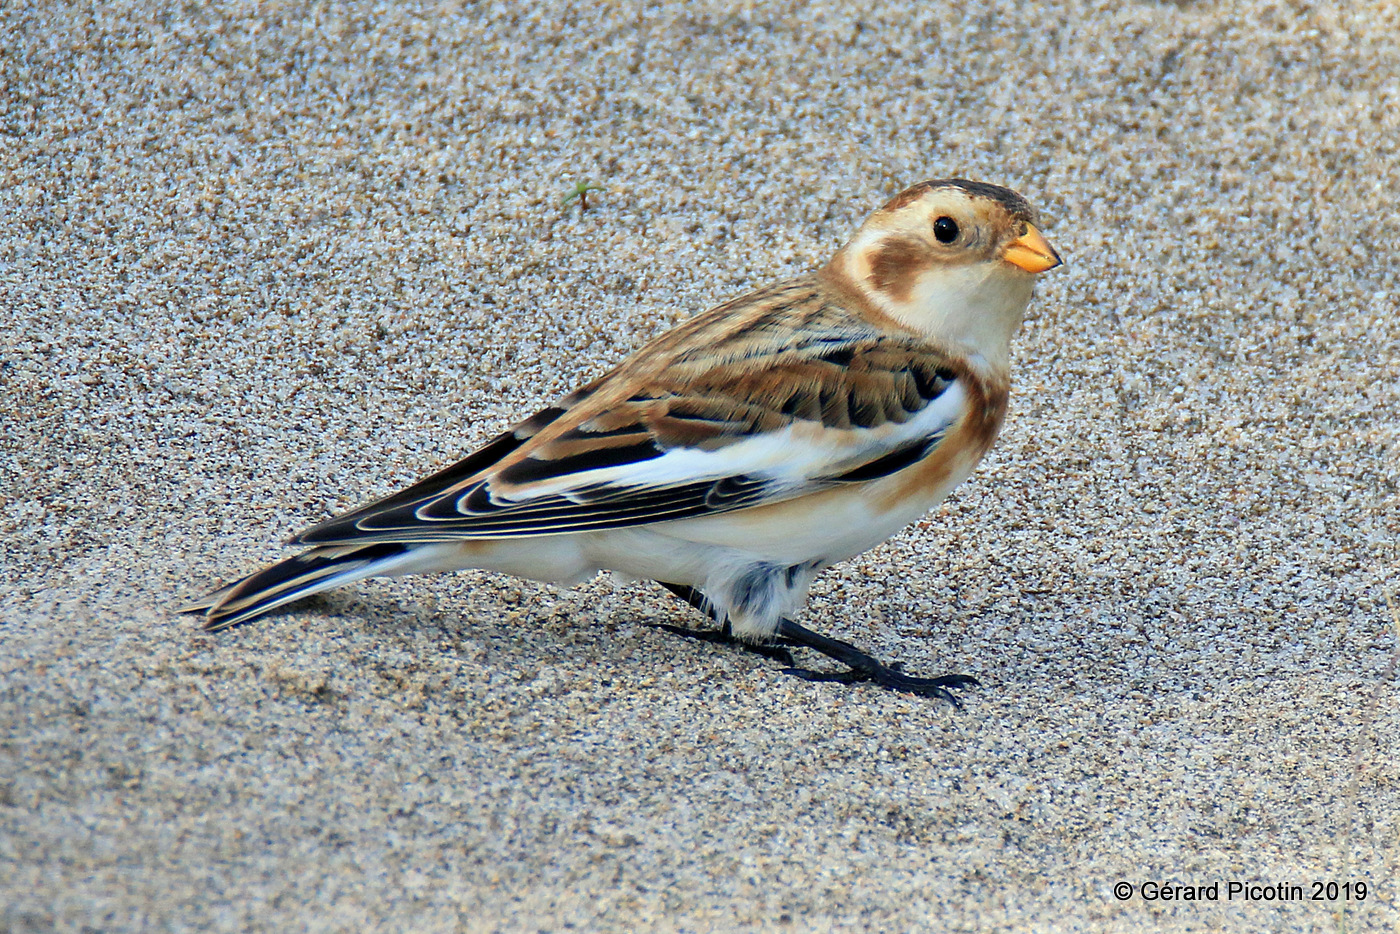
x,y
1032,252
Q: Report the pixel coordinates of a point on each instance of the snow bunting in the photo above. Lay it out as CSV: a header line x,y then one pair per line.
x,y
736,456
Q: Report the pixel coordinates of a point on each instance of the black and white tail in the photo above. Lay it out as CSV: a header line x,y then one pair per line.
x,y
308,573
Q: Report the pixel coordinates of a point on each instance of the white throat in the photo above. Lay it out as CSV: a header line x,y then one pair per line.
x,y
979,305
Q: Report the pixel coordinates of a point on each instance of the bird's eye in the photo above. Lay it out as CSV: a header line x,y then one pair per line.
x,y
945,229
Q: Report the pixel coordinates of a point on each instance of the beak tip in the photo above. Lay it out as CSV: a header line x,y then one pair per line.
x,y
1033,253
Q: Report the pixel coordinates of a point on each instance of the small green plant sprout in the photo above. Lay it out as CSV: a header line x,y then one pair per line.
x,y
580,191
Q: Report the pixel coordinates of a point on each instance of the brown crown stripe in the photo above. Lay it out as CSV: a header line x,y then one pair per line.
x,y
1012,202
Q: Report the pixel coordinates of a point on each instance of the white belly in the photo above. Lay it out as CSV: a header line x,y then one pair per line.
x,y
719,555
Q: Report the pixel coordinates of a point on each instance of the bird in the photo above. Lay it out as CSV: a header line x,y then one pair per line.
x,y
742,452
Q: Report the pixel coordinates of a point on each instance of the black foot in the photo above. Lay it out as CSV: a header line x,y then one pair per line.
x,y
865,668
723,636
862,666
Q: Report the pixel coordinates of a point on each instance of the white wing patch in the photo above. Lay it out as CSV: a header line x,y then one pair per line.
x,y
798,454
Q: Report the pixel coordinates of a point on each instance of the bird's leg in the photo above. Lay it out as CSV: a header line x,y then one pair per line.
x,y
690,595
865,668
862,666
722,636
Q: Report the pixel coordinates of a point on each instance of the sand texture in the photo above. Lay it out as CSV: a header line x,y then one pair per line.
x,y
263,262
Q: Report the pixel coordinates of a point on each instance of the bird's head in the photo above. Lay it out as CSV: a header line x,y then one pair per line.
x,y
953,260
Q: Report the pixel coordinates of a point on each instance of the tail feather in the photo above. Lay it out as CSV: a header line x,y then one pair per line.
x,y
208,600
301,576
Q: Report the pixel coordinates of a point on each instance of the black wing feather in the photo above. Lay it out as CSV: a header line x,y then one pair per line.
x,y
856,380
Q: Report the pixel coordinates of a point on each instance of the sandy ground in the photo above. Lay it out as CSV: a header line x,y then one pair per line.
x,y
262,262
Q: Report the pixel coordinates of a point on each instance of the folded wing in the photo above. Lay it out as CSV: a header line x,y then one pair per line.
x,y
695,427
